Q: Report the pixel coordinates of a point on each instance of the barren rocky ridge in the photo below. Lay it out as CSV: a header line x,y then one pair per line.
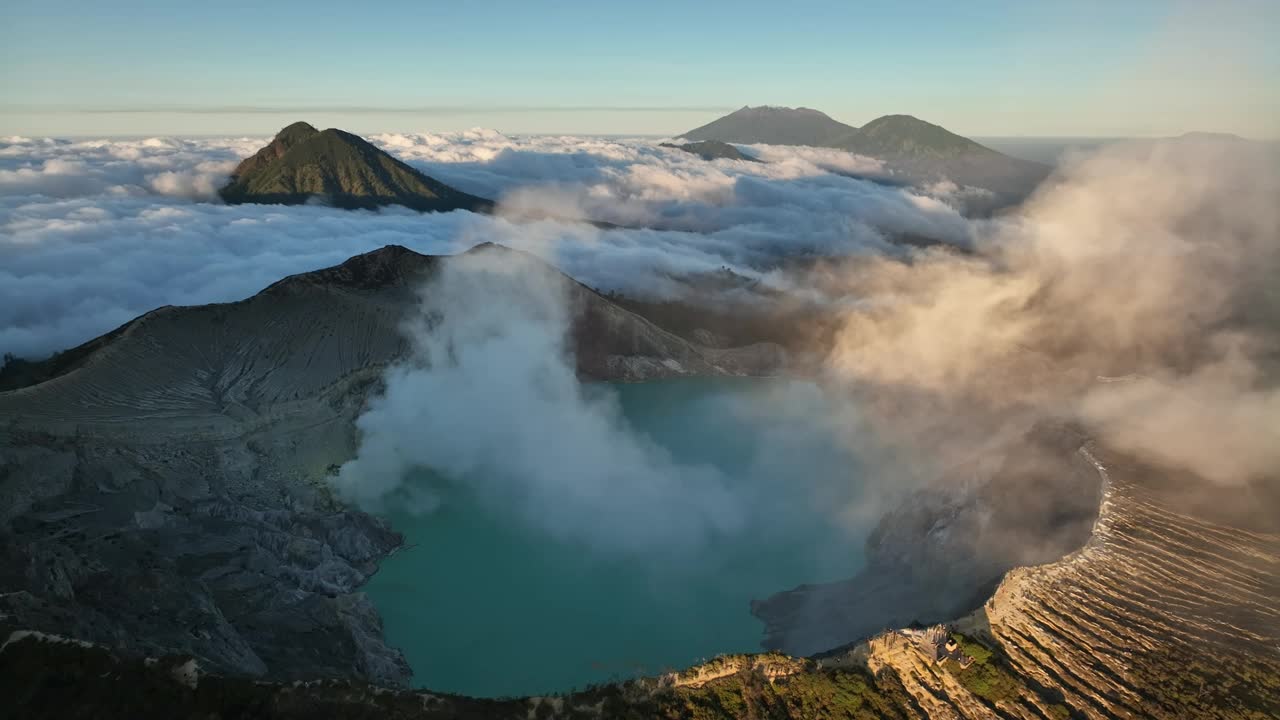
x,y
167,494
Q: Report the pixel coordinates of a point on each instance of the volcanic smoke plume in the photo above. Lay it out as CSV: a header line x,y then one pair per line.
x,y
1135,292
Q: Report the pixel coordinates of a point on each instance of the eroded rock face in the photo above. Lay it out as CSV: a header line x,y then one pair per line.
x,y
167,494
249,591
222,547
1166,612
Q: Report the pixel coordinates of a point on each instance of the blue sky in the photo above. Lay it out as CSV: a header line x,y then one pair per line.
x,y
1080,68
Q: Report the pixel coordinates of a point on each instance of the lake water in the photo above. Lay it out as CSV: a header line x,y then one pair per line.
x,y
484,604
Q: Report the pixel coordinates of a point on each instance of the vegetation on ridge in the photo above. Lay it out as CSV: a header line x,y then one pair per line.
x,y
302,164
987,676
898,135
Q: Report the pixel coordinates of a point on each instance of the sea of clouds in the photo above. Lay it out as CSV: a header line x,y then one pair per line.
x,y
96,232
1151,263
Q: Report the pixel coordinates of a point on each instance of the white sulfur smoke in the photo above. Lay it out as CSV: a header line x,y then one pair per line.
x,y
489,398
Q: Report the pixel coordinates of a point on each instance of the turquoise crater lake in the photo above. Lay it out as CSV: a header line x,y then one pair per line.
x,y
486,605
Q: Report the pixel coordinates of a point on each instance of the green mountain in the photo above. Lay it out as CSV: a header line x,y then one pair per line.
x,y
712,150
773,126
924,151
904,135
302,164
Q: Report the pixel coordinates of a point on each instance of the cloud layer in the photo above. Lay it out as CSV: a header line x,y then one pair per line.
x,y
96,232
1146,264
1135,293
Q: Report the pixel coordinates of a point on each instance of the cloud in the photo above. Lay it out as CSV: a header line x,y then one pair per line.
x,y
54,177
1152,261
1148,261
805,160
1216,419
52,168
199,183
96,232
489,398
1090,278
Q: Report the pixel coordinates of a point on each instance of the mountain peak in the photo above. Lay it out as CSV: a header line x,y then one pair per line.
x,y
898,118
925,151
892,134
772,125
279,145
296,132
782,111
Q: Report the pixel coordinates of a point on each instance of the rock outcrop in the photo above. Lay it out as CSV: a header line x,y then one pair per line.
x,y
1162,614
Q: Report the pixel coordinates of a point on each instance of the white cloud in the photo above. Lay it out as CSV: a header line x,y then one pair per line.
x,y
489,398
95,232
1155,260
47,167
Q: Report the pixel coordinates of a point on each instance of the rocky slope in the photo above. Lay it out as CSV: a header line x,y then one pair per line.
x,y
302,164
1163,614
165,493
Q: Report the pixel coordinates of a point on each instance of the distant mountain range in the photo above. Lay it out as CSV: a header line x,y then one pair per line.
x,y
302,164
916,149
923,150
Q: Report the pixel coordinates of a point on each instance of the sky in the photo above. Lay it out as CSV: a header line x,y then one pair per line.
x,y
982,68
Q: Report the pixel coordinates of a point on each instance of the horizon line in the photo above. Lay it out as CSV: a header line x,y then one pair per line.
x,y
351,109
